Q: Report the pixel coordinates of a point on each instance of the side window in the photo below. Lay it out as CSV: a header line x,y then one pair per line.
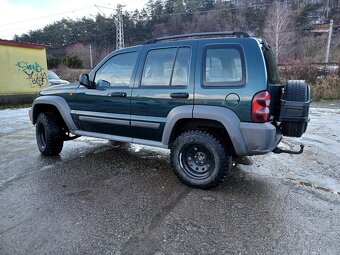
x,y
223,66
181,69
166,67
117,71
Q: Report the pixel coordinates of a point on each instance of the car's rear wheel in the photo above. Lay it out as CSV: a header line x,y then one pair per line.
x,y
49,134
199,159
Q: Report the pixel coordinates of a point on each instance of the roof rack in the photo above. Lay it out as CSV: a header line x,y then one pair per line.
x,y
207,34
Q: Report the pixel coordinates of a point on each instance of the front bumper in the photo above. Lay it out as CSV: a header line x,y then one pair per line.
x,y
30,114
260,138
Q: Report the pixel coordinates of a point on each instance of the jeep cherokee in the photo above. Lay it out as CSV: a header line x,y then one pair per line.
x,y
207,97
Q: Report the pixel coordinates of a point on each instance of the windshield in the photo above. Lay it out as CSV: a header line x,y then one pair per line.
x,y
52,75
272,70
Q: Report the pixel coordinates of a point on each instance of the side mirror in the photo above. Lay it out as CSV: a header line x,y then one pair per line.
x,y
85,80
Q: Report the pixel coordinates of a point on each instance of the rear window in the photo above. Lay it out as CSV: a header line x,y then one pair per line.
x,y
272,70
223,66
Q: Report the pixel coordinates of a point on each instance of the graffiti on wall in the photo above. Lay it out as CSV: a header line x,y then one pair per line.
x,y
35,73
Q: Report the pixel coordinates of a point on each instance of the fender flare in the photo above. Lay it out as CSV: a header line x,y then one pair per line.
x,y
225,116
62,106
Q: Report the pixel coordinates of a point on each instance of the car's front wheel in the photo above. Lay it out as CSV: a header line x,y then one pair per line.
x,y
199,159
49,134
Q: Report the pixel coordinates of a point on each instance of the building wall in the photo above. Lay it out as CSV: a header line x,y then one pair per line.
x,y
22,70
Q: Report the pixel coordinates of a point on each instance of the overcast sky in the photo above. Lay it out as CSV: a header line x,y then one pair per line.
x,y
20,16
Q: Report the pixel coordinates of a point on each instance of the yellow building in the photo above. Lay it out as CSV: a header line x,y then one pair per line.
x,y
23,68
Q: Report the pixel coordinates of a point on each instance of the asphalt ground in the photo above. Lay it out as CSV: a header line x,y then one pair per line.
x,y
101,197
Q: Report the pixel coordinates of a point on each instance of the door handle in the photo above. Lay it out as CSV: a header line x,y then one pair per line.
x,y
179,95
118,94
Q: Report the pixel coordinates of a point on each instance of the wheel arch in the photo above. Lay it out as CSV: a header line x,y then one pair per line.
x,y
205,117
55,104
47,108
213,127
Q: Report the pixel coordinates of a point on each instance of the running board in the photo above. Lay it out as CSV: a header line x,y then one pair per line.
x,y
277,150
70,138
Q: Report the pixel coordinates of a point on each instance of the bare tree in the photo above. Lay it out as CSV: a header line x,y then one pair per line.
x,y
83,52
277,30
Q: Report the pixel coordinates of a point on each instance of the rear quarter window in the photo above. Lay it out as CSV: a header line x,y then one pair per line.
x,y
272,70
223,65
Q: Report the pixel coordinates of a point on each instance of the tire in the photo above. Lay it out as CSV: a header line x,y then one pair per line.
x,y
49,135
297,91
199,159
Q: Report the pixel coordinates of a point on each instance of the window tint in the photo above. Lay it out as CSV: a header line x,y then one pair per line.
x,y
117,71
158,67
164,67
223,66
272,70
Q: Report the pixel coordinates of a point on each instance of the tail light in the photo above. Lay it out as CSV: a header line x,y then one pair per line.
x,y
261,107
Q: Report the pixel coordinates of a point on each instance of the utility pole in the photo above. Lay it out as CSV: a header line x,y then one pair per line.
x,y
119,27
329,39
327,9
91,61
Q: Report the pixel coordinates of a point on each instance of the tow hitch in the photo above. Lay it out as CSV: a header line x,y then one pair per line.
x,y
277,150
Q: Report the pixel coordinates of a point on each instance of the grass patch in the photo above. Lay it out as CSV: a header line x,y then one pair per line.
x,y
327,89
4,107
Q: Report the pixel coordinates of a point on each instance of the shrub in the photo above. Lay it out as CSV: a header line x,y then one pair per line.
x,y
328,88
301,71
325,83
53,62
73,61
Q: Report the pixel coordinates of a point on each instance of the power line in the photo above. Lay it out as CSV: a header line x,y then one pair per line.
x,y
65,12
47,16
173,14
216,10
22,28
95,25
161,15
110,8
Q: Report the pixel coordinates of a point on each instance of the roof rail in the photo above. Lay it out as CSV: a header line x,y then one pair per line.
x,y
207,34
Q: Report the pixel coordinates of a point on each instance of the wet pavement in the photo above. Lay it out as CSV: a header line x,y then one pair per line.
x,y
100,197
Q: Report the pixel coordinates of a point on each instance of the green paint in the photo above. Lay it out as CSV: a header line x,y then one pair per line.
x,y
35,73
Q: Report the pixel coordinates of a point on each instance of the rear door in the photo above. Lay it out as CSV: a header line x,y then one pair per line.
x,y
165,80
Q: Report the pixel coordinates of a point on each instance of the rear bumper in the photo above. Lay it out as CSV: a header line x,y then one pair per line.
x,y
260,138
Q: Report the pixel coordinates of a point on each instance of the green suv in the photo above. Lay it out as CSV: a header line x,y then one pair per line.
x,y
207,97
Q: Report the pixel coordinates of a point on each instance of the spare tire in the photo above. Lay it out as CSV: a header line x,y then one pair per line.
x,y
296,91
